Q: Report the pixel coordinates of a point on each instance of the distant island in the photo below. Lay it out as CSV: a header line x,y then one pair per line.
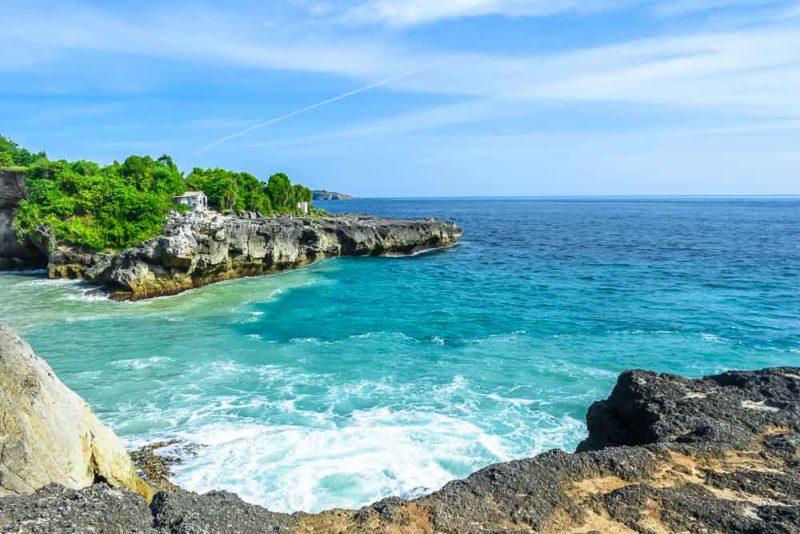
x,y
321,194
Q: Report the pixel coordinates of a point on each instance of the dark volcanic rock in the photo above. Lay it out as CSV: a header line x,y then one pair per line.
x,y
716,455
216,512
647,408
55,509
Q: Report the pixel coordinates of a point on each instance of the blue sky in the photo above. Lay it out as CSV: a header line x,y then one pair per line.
x,y
438,97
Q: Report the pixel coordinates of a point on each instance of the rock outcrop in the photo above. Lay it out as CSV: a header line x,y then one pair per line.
x,y
199,249
321,194
13,253
48,434
664,454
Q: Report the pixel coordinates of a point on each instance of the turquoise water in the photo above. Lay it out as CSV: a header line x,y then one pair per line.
x,y
359,378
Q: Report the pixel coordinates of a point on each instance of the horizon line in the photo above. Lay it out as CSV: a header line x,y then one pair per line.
x,y
608,196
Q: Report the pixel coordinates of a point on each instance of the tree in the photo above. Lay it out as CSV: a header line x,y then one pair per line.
x,y
116,206
279,189
12,155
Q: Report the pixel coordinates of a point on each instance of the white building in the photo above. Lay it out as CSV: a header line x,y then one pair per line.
x,y
196,200
303,207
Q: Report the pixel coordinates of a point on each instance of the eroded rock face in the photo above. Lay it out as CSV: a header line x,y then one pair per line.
x,y
48,434
199,249
745,480
13,254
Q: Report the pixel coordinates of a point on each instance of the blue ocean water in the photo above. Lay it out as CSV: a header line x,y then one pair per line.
x,y
359,378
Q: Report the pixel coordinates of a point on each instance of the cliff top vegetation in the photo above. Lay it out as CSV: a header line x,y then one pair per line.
x,y
85,204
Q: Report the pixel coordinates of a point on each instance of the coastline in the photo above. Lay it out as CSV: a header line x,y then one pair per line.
x,y
196,250
552,358
664,453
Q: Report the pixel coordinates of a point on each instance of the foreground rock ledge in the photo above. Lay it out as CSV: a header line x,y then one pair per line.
x,y
199,249
664,454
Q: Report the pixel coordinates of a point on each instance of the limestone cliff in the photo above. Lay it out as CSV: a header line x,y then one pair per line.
x,y
48,434
664,454
13,254
199,249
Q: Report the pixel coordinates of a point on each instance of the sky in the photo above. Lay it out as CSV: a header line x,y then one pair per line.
x,y
419,98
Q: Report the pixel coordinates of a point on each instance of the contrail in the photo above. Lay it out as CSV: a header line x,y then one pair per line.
x,y
309,108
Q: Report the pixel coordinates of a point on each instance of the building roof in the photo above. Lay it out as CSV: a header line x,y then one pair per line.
x,y
192,194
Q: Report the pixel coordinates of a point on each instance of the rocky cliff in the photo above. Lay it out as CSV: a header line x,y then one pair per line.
x,y
13,254
664,454
48,434
199,249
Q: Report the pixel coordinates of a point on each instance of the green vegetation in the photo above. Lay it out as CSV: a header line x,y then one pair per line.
x,y
11,155
116,206
81,203
240,191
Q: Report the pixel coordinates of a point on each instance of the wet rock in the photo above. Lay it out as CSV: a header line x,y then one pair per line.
x,y
154,461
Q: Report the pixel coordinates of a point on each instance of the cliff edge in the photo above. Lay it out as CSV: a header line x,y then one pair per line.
x,y
664,454
197,249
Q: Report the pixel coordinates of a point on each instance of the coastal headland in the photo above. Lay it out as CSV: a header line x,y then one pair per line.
x,y
663,454
200,248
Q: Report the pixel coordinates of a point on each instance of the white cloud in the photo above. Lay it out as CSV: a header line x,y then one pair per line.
x,y
413,12
754,70
39,35
684,7
403,13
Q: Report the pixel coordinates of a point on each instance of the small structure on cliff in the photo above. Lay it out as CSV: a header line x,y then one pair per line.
x,y
196,200
303,207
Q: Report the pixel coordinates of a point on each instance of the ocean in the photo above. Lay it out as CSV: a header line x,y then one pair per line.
x,y
359,378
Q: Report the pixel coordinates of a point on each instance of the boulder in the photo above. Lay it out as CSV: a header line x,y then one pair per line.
x,y
731,408
48,434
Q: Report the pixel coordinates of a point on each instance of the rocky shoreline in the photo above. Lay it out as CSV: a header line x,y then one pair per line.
x,y
197,249
663,454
